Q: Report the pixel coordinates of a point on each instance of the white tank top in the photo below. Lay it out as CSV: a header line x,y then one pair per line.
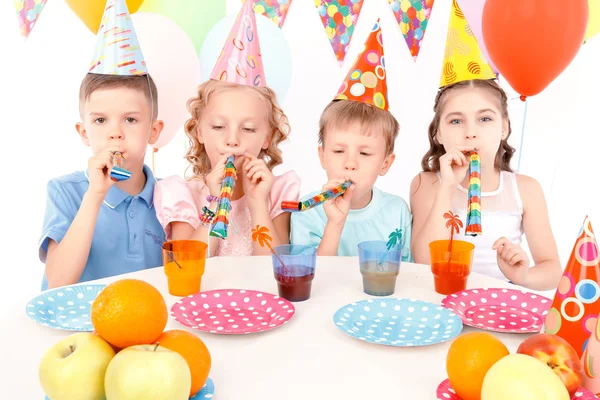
x,y
501,215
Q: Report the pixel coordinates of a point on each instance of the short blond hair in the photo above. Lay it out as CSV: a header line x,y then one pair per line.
x,y
142,83
373,120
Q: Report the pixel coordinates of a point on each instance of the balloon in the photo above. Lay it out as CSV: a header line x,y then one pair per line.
x,y
594,21
276,53
90,11
532,42
171,60
195,17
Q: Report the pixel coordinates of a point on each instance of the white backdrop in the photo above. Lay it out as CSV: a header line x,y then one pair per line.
x,y
39,81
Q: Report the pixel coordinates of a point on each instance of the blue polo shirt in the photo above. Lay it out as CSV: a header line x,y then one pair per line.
x,y
121,241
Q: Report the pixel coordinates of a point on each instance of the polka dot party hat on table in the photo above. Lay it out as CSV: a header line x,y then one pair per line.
x,y
240,60
365,81
576,304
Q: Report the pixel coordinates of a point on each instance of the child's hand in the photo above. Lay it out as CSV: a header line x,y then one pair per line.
x,y
337,209
512,260
257,179
99,167
214,178
454,165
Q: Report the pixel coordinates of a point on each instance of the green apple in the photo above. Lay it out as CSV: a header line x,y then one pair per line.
x,y
148,371
74,368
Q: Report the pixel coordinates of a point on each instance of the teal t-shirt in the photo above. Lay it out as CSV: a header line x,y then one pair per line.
x,y
385,213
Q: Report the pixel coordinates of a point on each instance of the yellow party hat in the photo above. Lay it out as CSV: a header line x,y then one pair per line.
x,y
463,59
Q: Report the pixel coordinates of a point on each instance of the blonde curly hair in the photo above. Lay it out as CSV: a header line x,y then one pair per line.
x,y
278,122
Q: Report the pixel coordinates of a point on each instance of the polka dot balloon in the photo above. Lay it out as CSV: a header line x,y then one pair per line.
x,y
66,308
500,310
233,311
398,322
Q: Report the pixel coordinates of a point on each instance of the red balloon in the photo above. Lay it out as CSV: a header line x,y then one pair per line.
x,y
533,41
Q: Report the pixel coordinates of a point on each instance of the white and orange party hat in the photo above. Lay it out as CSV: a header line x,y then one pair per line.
x,y
366,81
576,304
240,60
117,50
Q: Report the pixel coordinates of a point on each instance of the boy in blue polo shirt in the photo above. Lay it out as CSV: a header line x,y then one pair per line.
x,y
94,227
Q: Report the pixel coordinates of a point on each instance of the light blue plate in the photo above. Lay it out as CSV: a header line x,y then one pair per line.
x,y
66,308
398,322
207,392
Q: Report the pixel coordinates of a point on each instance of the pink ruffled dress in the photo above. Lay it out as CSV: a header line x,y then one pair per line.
x,y
178,200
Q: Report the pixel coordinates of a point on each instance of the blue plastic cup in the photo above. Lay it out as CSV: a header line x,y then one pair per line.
x,y
294,277
379,267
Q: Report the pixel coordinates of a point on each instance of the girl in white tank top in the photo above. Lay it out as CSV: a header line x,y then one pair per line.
x,y
472,115
501,215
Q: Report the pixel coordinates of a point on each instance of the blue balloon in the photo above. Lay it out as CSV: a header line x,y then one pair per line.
x,y
276,53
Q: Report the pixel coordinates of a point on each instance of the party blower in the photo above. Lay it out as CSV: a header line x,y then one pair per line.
x,y
221,223
294,206
118,173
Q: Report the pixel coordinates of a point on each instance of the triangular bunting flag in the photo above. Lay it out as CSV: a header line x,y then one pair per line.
x,y
365,81
28,12
574,312
240,60
463,59
275,10
413,17
339,18
117,51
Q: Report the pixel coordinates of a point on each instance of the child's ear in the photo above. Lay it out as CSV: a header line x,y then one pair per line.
x,y
265,145
438,137
387,164
82,133
157,127
504,129
321,157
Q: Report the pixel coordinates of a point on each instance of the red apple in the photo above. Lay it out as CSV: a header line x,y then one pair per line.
x,y
558,354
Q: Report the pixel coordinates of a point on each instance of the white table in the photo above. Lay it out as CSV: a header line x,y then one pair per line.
x,y
307,358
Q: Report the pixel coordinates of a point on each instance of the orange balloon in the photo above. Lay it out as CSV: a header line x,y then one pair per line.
x,y
90,11
532,42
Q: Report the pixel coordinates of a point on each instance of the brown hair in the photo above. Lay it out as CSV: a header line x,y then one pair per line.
x,y
142,83
278,123
371,118
431,160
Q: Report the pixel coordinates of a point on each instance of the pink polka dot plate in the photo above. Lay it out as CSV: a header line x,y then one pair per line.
x,y
232,311
500,310
445,392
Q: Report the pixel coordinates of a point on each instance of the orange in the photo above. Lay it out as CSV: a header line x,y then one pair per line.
x,y
129,312
468,360
193,349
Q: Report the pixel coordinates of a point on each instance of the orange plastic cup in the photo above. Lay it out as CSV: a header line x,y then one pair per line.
x,y
450,268
184,265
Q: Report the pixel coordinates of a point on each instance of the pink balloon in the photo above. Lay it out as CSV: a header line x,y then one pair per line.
x,y
174,66
473,12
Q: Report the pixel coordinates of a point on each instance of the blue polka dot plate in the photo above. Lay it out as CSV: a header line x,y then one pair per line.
x,y
398,322
66,308
207,391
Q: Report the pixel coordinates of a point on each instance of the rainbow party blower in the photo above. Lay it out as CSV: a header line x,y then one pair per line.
x,y
293,206
221,221
473,227
118,172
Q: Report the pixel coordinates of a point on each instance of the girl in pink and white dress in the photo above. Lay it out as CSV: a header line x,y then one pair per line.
x,y
234,113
